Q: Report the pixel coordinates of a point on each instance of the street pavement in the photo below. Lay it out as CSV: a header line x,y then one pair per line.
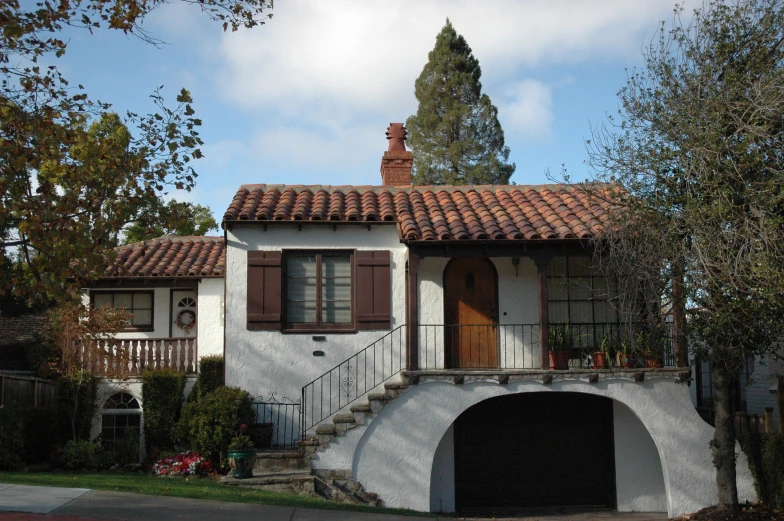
x,y
28,503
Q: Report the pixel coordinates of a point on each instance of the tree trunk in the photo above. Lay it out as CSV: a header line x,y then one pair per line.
x,y
723,443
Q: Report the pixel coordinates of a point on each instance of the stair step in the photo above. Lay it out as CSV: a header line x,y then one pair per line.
x,y
271,459
343,418
325,428
289,477
395,385
360,407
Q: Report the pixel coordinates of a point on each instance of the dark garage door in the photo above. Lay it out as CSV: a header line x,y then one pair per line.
x,y
534,450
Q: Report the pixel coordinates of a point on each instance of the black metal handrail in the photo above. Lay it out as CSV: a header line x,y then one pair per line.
x,y
283,417
353,378
479,346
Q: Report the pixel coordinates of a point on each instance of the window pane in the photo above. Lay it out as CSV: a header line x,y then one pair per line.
x,y
103,300
302,312
335,267
302,289
580,266
301,266
605,312
123,300
580,288
557,288
557,267
600,290
142,317
336,312
142,301
336,289
558,312
581,312
107,421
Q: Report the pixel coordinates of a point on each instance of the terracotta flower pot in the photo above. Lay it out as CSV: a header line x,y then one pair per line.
x,y
653,362
559,359
600,360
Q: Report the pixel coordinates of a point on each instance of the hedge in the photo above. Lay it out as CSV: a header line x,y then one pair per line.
x,y
210,375
765,454
214,420
162,393
26,436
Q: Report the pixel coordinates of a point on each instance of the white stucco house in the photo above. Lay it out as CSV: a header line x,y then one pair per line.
x,y
412,324
173,288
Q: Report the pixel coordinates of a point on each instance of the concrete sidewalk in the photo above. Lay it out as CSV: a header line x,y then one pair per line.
x,y
70,504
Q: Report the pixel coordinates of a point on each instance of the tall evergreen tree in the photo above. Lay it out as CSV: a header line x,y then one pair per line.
x,y
455,135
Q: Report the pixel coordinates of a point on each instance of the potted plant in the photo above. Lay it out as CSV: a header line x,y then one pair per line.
x,y
242,454
601,357
653,352
561,344
625,356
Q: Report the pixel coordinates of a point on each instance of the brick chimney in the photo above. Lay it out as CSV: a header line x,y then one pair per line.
x,y
396,162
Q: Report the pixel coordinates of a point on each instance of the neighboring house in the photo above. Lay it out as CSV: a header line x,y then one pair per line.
x,y
173,288
448,292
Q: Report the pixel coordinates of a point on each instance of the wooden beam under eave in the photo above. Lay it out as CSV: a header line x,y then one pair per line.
x,y
544,319
412,313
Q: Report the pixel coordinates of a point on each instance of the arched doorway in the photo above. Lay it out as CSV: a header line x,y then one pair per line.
x,y
470,313
535,450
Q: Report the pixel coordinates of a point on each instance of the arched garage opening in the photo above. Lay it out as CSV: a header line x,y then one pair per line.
x,y
535,450
547,449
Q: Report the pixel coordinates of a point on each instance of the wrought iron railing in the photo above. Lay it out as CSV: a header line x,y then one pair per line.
x,y
479,346
283,416
353,378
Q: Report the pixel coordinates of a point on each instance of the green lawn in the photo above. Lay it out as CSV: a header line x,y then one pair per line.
x,y
199,488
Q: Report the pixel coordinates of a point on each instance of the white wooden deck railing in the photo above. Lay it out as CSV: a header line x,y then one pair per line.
x,y
121,358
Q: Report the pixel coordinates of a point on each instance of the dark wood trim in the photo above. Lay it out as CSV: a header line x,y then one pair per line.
x,y
501,248
145,283
318,327
130,327
544,310
412,311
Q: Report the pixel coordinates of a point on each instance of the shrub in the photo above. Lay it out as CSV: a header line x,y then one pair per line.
x,y
765,454
210,375
76,399
40,435
11,438
213,421
126,449
79,454
162,396
185,464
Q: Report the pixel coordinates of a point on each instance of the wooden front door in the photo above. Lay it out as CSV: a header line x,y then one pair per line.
x,y
470,313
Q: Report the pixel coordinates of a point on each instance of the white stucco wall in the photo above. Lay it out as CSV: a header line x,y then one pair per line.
x,y
262,362
518,304
209,325
442,477
761,392
638,471
396,453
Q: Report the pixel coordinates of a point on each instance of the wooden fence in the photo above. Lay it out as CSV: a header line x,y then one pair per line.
x,y
26,391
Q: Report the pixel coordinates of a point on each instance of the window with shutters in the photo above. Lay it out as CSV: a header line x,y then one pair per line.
x,y
319,291
137,303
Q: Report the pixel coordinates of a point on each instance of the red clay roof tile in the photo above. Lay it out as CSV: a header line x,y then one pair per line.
x,y
432,213
171,256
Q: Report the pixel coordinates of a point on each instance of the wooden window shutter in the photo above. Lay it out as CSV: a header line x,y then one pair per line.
x,y
374,290
264,290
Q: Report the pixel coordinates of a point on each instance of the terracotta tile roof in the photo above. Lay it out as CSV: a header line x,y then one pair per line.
x,y
432,212
171,256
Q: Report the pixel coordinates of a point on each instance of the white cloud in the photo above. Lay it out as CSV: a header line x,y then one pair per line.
x,y
356,56
526,112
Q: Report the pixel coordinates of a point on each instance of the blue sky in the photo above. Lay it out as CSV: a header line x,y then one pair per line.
x,y
306,98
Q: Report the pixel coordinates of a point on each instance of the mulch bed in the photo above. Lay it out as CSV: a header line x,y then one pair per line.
x,y
744,513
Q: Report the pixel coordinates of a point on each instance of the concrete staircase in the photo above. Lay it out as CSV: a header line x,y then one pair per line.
x,y
291,471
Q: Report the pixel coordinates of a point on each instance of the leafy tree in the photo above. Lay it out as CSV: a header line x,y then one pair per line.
x,y
455,133
181,218
73,174
694,163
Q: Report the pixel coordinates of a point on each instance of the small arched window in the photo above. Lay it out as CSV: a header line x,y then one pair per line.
x,y
120,416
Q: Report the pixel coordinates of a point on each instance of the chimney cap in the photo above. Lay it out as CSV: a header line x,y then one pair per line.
x,y
396,134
